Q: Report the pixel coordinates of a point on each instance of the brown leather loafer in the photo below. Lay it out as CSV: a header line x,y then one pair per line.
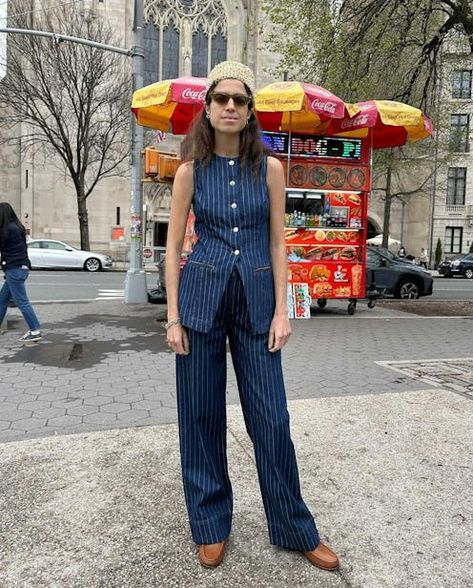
x,y
323,557
211,555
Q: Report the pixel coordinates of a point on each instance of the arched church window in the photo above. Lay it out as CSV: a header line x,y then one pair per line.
x,y
165,55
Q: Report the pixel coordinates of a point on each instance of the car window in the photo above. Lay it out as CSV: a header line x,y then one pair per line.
x,y
373,257
35,245
54,245
469,257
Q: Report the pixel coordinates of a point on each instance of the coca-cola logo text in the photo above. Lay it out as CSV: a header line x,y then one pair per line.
x,y
358,121
194,94
324,106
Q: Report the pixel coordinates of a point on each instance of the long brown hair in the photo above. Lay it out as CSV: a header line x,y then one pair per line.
x,y
199,144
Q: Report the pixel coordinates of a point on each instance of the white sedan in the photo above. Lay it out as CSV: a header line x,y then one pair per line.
x,y
46,253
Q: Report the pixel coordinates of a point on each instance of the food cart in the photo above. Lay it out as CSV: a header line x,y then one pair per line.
x,y
327,189
325,146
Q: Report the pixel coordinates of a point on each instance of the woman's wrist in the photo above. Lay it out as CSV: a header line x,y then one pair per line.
x,y
172,322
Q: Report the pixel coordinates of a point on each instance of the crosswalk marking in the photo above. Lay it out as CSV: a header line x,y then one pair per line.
x,y
110,294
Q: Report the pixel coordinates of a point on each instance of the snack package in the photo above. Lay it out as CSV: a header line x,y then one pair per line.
x,y
302,300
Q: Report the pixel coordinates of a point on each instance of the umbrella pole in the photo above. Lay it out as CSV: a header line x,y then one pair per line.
x,y
289,150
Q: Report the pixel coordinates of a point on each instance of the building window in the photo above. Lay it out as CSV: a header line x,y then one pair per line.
x,y
459,132
453,239
170,53
200,53
151,49
165,21
219,49
461,84
456,185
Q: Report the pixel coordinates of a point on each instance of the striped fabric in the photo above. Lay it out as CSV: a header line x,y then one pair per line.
x,y
232,226
201,383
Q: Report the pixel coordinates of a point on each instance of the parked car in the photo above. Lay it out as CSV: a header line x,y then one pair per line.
x,y
394,277
47,253
458,265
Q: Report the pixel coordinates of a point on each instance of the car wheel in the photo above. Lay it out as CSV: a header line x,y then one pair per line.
x,y
92,264
468,273
408,289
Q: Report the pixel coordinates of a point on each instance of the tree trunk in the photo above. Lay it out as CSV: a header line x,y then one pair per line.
x,y
387,208
83,219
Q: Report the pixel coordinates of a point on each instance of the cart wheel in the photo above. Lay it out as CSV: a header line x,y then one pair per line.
x,y
372,303
321,302
352,307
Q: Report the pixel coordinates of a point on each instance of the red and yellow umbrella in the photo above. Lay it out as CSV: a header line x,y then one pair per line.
x,y
296,106
386,122
170,105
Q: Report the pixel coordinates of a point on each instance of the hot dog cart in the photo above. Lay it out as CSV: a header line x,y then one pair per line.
x,y
327,189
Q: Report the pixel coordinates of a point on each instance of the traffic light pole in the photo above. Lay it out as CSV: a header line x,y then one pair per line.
x,y
135,283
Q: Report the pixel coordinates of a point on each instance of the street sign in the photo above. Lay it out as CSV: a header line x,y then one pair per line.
x,y
3,40
147,253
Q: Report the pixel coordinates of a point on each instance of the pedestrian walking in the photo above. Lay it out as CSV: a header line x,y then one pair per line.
x,y
233,286
402,251
423,258
15,265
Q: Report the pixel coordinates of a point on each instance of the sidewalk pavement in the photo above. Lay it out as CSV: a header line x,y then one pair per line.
x,y
387,472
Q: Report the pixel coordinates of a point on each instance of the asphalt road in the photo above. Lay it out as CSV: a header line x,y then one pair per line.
x,y
48,286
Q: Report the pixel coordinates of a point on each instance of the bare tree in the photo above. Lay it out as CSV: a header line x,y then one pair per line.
x,y
74,98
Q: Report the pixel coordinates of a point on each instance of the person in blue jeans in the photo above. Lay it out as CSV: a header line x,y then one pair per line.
x,y
15,266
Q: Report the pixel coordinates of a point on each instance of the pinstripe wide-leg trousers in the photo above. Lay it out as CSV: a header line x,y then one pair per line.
x,y
201,398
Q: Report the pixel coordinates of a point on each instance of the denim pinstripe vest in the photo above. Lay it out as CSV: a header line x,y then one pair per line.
x,y
231,209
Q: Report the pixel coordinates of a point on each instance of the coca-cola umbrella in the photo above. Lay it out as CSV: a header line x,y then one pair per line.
x,y
170,105
388,123
296,106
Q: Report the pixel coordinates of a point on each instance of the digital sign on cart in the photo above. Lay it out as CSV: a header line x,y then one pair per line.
x,y
281,144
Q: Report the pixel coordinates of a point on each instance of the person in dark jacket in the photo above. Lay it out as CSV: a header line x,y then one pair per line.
x,y
233,286
15,266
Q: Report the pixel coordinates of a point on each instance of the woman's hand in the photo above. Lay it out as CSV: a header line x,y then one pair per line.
x,y
279,333
178,340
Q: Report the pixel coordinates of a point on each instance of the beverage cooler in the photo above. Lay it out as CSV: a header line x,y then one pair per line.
x,y
327,191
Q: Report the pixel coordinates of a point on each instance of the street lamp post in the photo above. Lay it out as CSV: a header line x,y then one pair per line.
x,y
135,283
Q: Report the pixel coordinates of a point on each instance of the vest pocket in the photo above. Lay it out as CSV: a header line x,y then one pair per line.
x,y
264,268
202,264
198,290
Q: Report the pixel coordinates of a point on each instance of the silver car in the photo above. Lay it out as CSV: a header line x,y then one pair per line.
x,y
46,253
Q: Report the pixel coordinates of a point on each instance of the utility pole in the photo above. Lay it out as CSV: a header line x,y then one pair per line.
x,y
135,283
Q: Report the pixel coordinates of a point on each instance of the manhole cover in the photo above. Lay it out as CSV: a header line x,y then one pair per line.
x,y
453,374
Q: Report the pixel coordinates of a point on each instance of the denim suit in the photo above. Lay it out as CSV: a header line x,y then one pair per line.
x,y
226,292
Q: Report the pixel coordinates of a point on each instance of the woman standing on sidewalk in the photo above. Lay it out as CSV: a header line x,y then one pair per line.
x,y
15,265
233,285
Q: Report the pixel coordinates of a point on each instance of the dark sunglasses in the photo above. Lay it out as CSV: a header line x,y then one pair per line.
x,y
223,98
